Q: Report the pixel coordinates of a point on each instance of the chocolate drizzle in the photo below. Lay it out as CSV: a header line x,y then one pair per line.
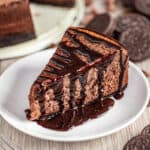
x,y
99,40
121,72
119,95
77,116
122,68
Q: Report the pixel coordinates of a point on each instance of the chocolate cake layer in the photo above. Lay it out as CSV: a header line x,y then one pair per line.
x,y
86,68
15,22
65,3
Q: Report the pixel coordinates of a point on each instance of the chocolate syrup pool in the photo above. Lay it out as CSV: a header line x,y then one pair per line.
x,y
74,117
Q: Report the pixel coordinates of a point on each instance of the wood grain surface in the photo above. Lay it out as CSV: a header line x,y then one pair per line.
x,y
12,139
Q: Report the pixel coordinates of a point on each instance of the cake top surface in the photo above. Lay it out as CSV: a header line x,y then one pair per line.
x,y
78,51
6,2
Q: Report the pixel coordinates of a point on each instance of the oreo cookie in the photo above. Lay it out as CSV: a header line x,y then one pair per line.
x,y
137,42
131,20
101,23
143,6
146,130
140,142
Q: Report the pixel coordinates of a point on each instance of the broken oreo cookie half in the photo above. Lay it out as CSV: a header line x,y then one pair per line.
x,y
101,23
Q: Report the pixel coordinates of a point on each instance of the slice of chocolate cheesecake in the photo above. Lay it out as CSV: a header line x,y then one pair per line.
x,y
15,22
85,70
64,3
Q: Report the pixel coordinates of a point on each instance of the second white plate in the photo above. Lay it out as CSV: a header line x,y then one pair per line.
x,y
15,84
50,24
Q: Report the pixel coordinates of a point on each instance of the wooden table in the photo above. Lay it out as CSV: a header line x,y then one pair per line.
x,y
113,142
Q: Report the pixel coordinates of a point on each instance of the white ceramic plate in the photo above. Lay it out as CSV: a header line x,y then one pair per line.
x,y
15,84
50,23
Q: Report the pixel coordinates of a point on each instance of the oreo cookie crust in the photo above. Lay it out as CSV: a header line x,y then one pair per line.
x,y
140,142
143,6
101,23
131,20
137,42
146,130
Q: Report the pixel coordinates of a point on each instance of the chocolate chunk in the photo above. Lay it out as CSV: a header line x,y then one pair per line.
x,y
101,23
140,142
143,6
131,20
146,130
137,42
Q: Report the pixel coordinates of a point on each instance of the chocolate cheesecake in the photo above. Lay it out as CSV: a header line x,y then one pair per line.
x,y
75,85
65,3
15,22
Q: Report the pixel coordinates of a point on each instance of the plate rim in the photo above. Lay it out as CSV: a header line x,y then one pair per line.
x,y
5,114
57,31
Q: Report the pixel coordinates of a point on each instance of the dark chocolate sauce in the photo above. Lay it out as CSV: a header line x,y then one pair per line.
x,y
58,93
83,49
122,68
98,40
74,117
121,72
119,95
108,102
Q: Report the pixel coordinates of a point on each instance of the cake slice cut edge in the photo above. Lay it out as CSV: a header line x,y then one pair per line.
x,y
73,87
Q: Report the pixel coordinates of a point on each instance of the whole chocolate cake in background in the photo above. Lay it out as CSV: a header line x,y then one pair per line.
x,y
15,22
75,84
